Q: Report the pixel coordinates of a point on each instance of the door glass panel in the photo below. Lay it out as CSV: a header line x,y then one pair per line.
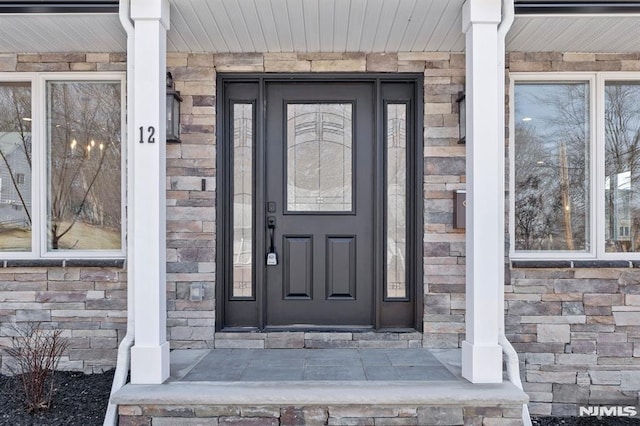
x,y
319,157
622,166
396,143
242,200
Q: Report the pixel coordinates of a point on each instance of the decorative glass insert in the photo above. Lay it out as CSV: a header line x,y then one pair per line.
x,y
15,167
242,200
622,166
396,183
552,144
319,157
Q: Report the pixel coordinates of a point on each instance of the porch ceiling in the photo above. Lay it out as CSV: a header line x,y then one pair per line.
x,y
316,26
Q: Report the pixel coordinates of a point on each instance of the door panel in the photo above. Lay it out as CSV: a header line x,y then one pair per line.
x,y
335,164
298,267
319,167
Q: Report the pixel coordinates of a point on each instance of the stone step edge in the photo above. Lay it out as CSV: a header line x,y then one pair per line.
x,y
303,393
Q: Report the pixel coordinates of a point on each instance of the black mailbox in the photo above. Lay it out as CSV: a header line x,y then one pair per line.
x,y
459,209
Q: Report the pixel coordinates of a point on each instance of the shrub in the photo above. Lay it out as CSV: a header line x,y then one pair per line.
x,y
36,353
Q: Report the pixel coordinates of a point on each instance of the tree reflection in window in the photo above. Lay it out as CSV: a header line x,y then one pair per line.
x,y
84,165
15,166
552,140
622,166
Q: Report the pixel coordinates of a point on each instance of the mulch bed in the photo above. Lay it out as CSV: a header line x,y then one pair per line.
x,y
584,421
81,399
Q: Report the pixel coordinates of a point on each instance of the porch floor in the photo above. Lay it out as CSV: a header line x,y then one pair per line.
x,y
256,365
319,377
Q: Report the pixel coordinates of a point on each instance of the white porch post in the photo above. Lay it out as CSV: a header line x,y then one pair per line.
x,y
481,353
150,354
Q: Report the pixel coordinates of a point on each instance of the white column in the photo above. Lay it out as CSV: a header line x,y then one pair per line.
x,y
150,353
481,353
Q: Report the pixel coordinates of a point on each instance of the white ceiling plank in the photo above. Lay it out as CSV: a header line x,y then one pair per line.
x,y
268,24
175,40
372,18
224,24
296,23
385,25
356,22
54,38
576,33
316,25
239,23
399,26
191,28
281,16
429,26
326,22
451,21
342,12
9,36
311,24
416,20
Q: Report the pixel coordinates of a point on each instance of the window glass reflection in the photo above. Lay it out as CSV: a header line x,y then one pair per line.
x,y
622,166
552,190
15,167
84,129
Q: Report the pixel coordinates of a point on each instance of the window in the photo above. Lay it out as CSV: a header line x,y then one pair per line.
x,y
575,156
61,165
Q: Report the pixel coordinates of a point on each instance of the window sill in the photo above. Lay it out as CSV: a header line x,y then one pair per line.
x,y
570,264
62,263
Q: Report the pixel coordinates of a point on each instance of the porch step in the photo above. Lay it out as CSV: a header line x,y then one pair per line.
x,y
321,403
272,387
441,393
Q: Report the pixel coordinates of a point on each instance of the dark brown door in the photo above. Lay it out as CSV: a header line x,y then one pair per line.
x,y
319,168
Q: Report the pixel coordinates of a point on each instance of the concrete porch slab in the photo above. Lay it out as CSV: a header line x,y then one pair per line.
x,y
319,377
302,393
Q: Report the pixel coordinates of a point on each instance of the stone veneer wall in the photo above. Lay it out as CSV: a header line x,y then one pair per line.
x,y
191,211
85,299
576,329
400,415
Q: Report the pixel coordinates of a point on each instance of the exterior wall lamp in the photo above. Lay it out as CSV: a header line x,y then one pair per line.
x,y
462,117
173,111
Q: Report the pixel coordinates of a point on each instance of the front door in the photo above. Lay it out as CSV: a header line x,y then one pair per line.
x,y
319,202
320,145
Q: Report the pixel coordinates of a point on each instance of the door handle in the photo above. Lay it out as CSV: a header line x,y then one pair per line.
x,y
272,257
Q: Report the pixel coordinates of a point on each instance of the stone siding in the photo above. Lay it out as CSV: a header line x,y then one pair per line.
x,y
87,304
191,211
577,330
161,415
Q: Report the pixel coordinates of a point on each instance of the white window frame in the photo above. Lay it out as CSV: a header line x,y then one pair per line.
x,y
596,80
39,187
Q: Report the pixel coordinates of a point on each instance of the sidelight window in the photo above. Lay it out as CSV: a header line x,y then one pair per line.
x,y
242,200
396,177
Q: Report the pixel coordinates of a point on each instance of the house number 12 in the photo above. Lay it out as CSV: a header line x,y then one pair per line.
x,y
151,131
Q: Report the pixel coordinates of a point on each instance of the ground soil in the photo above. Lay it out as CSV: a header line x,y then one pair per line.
x,y
78,399
82,400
